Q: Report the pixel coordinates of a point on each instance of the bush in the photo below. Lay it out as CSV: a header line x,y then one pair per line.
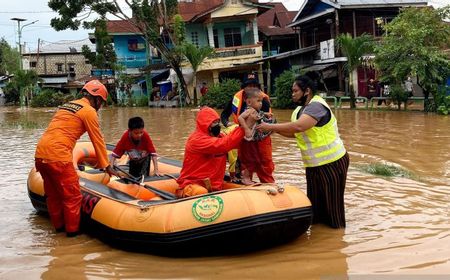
x,y
220,94
442,100
50,98
138,101
398,95
283,90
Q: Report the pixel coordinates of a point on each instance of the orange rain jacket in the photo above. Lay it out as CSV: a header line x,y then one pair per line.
x,y
205,156
69,123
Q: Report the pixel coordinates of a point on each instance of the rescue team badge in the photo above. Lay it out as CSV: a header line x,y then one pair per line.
x,y
207,209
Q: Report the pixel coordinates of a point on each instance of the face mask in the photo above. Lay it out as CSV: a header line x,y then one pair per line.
x,y
215,130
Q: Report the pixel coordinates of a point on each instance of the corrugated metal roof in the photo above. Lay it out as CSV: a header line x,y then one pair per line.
x,y
64,46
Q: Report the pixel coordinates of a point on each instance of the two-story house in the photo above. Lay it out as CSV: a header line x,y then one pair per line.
x,y
231,28
320,21
277,38
58,64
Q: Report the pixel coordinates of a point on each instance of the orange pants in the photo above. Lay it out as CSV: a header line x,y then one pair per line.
x,y
62,189
191,190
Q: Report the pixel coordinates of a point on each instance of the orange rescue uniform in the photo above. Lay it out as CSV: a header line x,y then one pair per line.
x,y
54,160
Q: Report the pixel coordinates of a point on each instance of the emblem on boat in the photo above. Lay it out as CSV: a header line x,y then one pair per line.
x,y
207,209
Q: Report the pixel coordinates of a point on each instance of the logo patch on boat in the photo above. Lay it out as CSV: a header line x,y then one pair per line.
x,y
207,209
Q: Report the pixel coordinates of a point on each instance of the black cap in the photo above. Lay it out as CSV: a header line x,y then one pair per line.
x,y
251,79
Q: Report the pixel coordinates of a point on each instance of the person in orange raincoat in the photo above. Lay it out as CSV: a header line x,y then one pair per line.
x,y
206,151
53,157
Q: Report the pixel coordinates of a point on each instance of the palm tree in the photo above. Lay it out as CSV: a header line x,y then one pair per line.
x,y
354,49
23,83
196,55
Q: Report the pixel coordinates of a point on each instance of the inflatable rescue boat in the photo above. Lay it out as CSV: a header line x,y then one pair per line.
x,y
131,216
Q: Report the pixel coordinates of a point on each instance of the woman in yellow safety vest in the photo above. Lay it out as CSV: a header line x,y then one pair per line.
x,y
326,161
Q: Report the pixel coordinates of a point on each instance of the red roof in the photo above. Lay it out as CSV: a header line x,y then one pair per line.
x,y
274,21
188,10
121,26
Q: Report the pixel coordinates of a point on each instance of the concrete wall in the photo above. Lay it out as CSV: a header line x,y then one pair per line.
x,y
47,64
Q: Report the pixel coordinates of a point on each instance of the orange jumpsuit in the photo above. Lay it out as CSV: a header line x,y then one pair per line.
x,y
54,160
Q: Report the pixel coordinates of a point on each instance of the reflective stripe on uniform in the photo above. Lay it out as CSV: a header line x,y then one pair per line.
x,y
319,145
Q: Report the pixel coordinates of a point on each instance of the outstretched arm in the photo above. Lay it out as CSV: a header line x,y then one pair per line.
x,y
289,129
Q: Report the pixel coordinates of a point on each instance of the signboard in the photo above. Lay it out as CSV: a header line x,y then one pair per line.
x,y
327,49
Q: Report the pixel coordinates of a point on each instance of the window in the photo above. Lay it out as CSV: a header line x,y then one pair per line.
x,y
232,37
33,64
71,67
216,38
135,46
194,38
59,67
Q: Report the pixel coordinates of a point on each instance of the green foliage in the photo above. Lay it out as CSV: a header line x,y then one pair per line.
x,y
354,49
386,170
413,46
220,94
21,86
105,56
398,94
195,55
283,90
138,101
179,29
9,58
50,98
442,100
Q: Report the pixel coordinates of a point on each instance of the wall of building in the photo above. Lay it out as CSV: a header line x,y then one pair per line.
x,y
202,33
129,55
47,64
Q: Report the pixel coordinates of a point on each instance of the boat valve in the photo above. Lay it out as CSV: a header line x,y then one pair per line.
x,y
272,191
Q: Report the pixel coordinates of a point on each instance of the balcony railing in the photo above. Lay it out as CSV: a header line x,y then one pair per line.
x,y
236,51
136,62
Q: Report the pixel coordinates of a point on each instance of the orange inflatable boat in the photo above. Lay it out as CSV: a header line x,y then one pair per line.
x,y
132,216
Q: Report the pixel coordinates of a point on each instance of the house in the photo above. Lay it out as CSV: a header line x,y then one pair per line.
x,y
231,28
277,38
319,22
131,52
59,64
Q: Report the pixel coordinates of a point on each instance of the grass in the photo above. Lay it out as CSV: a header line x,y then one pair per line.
x,y
386,170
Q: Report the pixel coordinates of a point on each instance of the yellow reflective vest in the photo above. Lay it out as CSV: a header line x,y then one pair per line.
x,y
319,145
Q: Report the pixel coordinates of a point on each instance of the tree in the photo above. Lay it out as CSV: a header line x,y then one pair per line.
x,y
149,16
413,46
196,55
354,49
9,58
20,89
104,56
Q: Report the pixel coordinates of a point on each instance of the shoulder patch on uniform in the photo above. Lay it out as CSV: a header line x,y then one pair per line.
x,y
71,107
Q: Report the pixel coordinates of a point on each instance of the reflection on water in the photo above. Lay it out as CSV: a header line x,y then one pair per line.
x,y
395,226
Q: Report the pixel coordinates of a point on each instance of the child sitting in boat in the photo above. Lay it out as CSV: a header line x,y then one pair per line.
x,y
136,142
250,151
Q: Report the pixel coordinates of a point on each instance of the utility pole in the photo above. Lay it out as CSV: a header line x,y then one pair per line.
x,y
19,31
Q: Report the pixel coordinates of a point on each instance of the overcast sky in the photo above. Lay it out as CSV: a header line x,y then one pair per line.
x,y
38,10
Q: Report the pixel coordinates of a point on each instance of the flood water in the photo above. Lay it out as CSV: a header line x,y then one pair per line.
x,y
395,226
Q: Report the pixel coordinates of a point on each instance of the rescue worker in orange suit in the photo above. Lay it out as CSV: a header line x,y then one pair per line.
x,y
237,106
205,154
53,157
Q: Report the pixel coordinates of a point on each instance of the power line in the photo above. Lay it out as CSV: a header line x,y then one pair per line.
x,y
26,12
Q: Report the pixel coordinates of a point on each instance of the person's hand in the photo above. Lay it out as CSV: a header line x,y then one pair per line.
x,y
157,173
112,172
264,127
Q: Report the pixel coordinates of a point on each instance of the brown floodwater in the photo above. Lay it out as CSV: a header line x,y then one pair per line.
x,y
395,226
